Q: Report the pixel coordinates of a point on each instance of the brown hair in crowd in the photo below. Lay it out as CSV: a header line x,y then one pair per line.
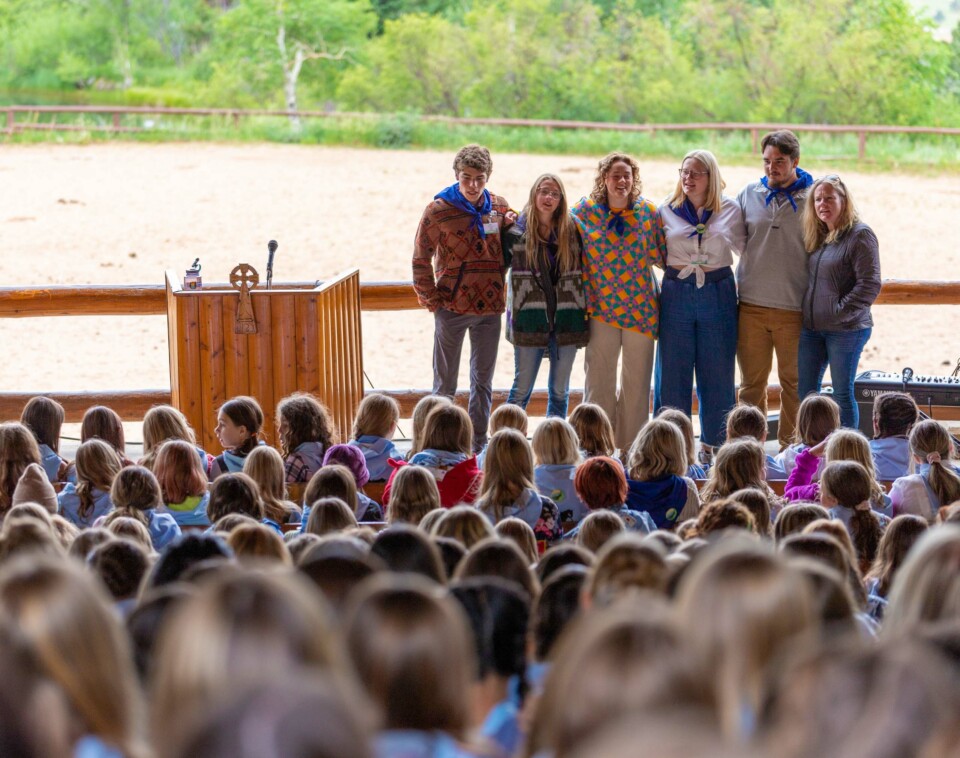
x,y
593,429
307,420
179,471
817,417
44,417
234,493
894,414
377,415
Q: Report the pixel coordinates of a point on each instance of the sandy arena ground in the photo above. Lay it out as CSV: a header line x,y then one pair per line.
x,y
123,213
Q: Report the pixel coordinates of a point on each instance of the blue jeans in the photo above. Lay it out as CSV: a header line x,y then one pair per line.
x,y
527,362
841,351
698,337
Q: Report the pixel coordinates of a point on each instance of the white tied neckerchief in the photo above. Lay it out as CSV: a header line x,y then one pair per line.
x,y
696,267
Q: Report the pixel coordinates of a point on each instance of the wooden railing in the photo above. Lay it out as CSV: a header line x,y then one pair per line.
x,y
149,300
116,113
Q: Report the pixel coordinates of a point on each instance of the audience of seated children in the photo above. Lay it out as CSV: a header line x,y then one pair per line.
x,y
683,422
508,489
373,430
556,456
936,483
96,466
817,418
352,458
183,482
656,475
136,494
265,466
894,415
594,430
446,450
601,484
44,417
239,423
748,421
505,416
305,431
841,445
18,449
162,423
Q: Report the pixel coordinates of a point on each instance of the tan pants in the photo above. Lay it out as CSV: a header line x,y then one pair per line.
x,y
761,332
628,407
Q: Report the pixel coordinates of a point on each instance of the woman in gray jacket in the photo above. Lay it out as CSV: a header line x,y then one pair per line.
x,y
842,283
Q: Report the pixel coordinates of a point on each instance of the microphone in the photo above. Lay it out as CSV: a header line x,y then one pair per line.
x,y
271,248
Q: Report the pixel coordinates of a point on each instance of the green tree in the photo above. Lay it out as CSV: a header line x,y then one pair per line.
x,y
261,48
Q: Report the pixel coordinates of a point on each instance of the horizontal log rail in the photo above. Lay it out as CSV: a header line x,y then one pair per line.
x,y
32,301
235,114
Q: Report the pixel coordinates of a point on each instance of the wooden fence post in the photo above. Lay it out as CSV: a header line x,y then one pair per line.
x,y
861,145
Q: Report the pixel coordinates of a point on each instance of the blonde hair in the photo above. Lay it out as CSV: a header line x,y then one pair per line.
x,y
593,429
265,466
682,421
238,630
738,464
465,524
162,423
18,449
555,443
97,465
562,224
521,534
815,232
413,495
929,437
59,610
509,416
599,191
817,417
507,472
333,480
657,451
715,183
424,407
922,586
851,445
598,528
898,539
330,515
739,606
258,542
448,428
377,415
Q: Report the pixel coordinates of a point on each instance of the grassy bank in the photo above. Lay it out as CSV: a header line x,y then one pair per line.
x,y
917,153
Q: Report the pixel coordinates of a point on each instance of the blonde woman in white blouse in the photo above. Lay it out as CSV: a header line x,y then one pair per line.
x,y
698,304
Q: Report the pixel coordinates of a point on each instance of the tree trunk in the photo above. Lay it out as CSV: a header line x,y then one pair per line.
x,y
290,74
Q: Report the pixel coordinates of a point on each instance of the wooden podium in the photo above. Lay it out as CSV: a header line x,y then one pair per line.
x,y
307,338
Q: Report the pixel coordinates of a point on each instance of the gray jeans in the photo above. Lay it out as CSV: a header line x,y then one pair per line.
x,y
449,332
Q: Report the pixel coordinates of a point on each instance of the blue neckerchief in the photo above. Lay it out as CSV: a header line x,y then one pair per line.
x,y
803,181
688,213
616,221
454,196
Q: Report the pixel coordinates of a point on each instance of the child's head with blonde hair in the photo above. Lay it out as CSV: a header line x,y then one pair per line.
x,y
423,408
413,495
598,528
657,451
97,465
930,443
746,421
851,445
465,524
818,416
448,428
683,422
555,443
162,423
737,465
377,416
509,416
265,466
507,472
593,429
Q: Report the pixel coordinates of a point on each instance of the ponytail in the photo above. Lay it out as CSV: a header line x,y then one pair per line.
x,y
931,442
866,533
945,483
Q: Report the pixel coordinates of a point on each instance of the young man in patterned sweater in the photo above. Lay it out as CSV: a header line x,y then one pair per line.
x,y
458,274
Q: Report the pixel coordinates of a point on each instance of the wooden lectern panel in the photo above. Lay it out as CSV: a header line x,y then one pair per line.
x,y
308,339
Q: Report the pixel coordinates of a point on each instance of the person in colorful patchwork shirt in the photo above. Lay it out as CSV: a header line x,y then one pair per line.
x,y
622,240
